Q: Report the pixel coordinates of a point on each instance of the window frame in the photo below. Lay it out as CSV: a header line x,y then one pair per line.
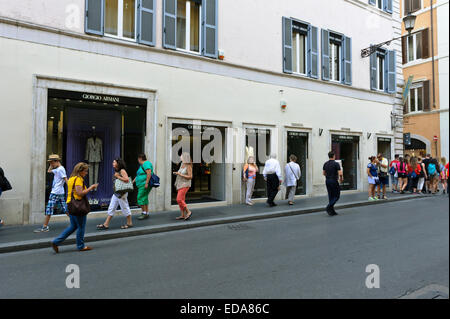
x,y
188,30
412,11
304,32
119,35
337,43
415,48
415,88
381,66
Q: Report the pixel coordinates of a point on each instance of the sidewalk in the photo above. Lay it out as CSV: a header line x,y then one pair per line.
x,y
17,238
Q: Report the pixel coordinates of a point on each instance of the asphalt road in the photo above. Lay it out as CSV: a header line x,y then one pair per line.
x,y
307,256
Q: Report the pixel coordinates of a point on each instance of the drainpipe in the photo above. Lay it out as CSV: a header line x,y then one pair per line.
x,y
432,54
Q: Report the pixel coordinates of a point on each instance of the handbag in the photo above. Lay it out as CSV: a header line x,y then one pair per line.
x,y
122,187
154,179
78,207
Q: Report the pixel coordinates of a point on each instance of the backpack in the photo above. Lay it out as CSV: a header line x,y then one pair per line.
x,y
431,169
392,170
154,181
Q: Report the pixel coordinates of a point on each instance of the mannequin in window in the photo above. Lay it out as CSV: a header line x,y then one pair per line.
x,y
94,156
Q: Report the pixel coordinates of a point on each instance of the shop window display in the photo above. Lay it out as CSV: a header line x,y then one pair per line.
x,y
95,129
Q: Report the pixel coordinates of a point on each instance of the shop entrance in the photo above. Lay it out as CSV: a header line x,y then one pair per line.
x,y
297,144
417,148
96,129
208,183
384,147
346,149
257,144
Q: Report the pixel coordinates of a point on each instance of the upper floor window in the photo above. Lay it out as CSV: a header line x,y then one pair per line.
x,y
385,5
132,20
191,25
415,46
418,99
412,6
383,75
299,47
335,57
188,25
120,18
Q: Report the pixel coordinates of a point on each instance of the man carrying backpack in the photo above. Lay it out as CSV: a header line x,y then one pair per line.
x,y
426,161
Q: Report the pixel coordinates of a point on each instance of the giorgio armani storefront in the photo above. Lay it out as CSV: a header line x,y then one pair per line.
x,y
86,122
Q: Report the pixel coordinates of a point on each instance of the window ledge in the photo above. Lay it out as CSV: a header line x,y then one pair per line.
x,y
373,9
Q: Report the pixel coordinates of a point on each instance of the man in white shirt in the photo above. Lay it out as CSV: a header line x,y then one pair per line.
x,y
292,173
57,195
272,175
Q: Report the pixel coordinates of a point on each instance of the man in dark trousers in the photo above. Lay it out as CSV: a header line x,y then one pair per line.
x,y
272,175
332,172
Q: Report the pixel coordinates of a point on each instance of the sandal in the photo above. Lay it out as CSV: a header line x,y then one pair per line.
x,y
188,217
126,226
179,217
102,227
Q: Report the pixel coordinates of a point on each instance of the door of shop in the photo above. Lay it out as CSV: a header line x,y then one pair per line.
x,y
297,144
384,147
257,144
346,149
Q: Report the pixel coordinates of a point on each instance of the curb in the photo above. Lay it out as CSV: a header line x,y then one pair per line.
x,y
115,234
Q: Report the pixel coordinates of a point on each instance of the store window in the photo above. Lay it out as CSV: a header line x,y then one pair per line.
x,y
384,147
208,183
120,19
346,149
257,144
299,47
96,129
188,25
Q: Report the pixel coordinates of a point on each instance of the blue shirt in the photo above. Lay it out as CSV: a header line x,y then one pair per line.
x,y
373,169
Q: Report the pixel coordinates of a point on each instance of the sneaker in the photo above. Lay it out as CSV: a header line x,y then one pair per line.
x,y
143,216
43,229
371,199
376,198
384,197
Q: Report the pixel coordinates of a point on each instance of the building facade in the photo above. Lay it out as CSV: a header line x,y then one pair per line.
x,y
286,77
425,61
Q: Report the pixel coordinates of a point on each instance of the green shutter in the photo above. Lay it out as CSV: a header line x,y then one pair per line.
x,y
325,55
313,52
210,24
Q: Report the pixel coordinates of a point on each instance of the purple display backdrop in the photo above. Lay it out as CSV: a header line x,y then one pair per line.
x,y
108,128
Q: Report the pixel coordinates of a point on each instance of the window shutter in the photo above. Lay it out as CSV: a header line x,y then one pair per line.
x,y
373,71
387,6
325,55
407,4
426,96
313,52
347,61
425,43
170,24
372,2
94,17
146,22
404,53
390,66
287,45
210,9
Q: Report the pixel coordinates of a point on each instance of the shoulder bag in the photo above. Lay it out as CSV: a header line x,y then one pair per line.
x,y
78,207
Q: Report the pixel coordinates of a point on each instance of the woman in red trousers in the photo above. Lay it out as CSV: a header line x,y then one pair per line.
x,y
182,184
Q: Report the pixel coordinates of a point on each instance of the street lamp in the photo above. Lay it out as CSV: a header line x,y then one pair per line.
x,y
409,21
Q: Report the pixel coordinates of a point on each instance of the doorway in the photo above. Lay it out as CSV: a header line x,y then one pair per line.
x,y
346,149
297,144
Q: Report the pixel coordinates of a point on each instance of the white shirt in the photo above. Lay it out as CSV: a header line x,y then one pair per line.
x,y
293,173
272,167
58,180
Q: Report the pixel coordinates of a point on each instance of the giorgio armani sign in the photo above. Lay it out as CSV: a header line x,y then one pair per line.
x,y
97,98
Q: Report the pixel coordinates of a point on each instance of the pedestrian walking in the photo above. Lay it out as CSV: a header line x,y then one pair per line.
x,y
182,184
293,173
57,195
422,175
4,186
408,173
394,174
142,180
120,197
382,166
78,207
249,177
372,176
426,161
447,173
433,173
272,175
415,174
402,175
443,175
332,172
